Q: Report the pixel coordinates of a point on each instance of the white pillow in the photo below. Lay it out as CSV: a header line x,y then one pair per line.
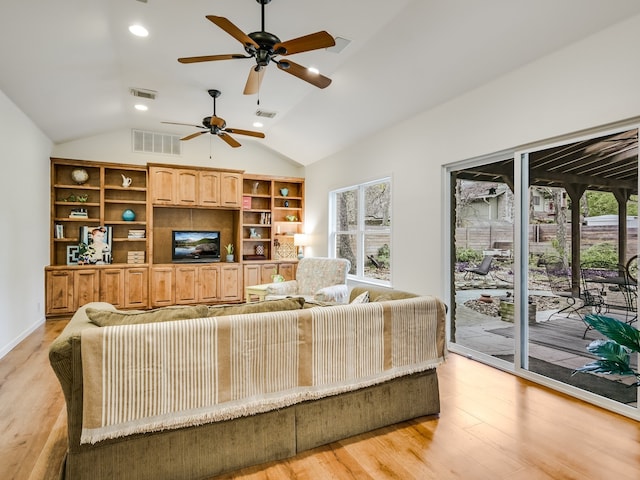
x,y
362,298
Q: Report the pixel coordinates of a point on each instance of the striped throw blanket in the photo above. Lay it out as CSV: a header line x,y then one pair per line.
x,y
152,377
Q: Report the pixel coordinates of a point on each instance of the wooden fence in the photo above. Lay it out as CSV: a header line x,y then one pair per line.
x,y
541,237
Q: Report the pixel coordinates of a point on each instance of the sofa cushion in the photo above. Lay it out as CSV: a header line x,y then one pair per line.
x,y
290,303
106,318
362,298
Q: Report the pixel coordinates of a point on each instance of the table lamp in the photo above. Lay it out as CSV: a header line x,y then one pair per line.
x,y
300,241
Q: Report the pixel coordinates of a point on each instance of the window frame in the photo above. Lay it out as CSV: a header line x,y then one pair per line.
x,y
361,230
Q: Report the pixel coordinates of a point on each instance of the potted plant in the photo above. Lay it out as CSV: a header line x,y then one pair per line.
x,y
276,277
229,249
613,354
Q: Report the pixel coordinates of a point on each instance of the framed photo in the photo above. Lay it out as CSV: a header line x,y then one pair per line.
x,y
99,240
72,254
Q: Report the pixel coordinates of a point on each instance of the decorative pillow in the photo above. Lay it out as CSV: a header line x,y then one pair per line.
x,y
362,298
105,318
280,305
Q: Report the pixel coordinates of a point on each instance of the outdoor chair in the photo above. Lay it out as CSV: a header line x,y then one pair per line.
x,y
616,289
559,277
483,269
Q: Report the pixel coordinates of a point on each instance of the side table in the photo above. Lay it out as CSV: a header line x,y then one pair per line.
x,y
258,290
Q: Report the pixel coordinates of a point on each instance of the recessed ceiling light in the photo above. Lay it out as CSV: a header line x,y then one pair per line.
x,y
141,107
138,30
313,70
258,124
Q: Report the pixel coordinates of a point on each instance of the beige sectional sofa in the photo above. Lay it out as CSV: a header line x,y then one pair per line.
x,y
193,392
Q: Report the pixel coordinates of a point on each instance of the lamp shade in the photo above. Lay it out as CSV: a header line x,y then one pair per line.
x,y
300,240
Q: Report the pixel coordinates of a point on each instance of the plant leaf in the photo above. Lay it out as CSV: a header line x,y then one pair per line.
x,y
605,366
616,330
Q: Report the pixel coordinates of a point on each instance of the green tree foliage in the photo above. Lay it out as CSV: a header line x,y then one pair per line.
x,y
604,203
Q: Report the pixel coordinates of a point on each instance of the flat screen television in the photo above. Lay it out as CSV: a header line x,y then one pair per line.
x,y
195,246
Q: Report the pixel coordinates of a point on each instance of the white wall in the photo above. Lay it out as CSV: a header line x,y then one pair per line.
x,y
24,242
203,151
593,82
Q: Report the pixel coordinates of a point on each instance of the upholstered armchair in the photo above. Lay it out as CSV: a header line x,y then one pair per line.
x,y
317,278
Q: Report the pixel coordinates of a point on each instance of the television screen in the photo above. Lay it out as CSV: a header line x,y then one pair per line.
x,y
195,246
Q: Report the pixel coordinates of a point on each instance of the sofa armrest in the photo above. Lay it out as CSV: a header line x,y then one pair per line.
x,y
334,293
289,287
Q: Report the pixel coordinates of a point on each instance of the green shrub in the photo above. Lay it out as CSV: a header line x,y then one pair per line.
x,y
468,255
600,253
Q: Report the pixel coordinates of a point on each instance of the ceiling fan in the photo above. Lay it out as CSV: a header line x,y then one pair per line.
x,y
265,47
217,126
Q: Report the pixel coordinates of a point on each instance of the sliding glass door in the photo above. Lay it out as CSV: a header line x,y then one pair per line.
x,y
541,240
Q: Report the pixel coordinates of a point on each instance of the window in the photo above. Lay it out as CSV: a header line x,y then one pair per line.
x,y
360,229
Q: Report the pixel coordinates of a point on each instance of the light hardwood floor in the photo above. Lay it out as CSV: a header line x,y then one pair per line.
x,y
493,426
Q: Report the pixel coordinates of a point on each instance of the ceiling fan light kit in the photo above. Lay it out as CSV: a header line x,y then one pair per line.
x,y
264,47
218,126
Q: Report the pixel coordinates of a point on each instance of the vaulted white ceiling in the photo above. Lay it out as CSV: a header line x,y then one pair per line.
x,y
69,64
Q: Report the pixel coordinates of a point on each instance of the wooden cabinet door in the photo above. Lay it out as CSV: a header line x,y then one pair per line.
x,y
187,187
162,286
230,189
266,272
112,284
252,275
86,287
161,184
208,283
230,282
136,287
186,284
287,270
59,288
209,189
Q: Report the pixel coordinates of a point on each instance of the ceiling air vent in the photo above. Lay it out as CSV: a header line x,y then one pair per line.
x,y
142,93
153,142
264,113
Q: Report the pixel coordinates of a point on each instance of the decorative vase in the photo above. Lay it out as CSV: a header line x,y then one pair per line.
x,y
286,203
126,181
128,215
259,249
284,192
79,175
230,258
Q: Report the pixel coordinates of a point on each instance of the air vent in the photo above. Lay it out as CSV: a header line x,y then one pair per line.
x,y
264,113
152,142
142,93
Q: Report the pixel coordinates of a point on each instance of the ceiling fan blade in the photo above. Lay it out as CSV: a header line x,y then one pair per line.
x,y
229,139
211,58
254,80
194,135
185,124
232,30
251,133
313,41
303,73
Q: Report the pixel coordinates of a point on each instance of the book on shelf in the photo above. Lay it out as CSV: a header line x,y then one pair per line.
x,y
136,234
246,203
59,232
135,256
78,213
